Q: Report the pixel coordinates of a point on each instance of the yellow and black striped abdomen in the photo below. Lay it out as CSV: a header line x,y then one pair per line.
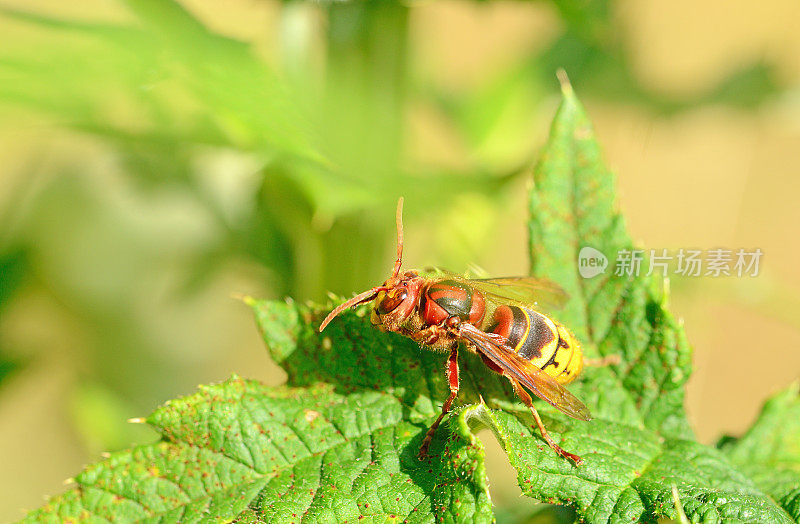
x,y
535,337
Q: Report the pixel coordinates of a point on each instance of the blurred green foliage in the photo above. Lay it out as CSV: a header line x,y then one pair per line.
x,y
326,140
594,49
12,270
204,153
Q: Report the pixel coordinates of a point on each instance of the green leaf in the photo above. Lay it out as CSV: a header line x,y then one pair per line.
x,y
770,450
241,449
13,268
573,207
639,445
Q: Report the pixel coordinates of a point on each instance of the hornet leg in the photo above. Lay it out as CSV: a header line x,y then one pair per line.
x,y
430,335
452,378
526,399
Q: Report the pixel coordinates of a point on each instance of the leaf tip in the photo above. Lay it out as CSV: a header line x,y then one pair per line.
x,y
247,299
666,290
563,79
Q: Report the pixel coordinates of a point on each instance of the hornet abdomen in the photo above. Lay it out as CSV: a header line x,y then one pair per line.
x,y
545,343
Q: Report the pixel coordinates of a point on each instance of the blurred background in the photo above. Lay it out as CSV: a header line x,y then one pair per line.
x,y
157,156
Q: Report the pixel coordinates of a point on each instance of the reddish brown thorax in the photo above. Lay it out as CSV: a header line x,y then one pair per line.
x,y
445,298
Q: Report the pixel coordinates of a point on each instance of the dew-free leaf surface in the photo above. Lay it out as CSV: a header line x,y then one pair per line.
x,y
242,450
639,445
769,453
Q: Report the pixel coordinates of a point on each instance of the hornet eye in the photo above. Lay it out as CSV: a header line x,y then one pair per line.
x,y
391,301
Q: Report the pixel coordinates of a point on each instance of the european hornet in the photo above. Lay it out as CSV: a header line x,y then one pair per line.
x,y
495,318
